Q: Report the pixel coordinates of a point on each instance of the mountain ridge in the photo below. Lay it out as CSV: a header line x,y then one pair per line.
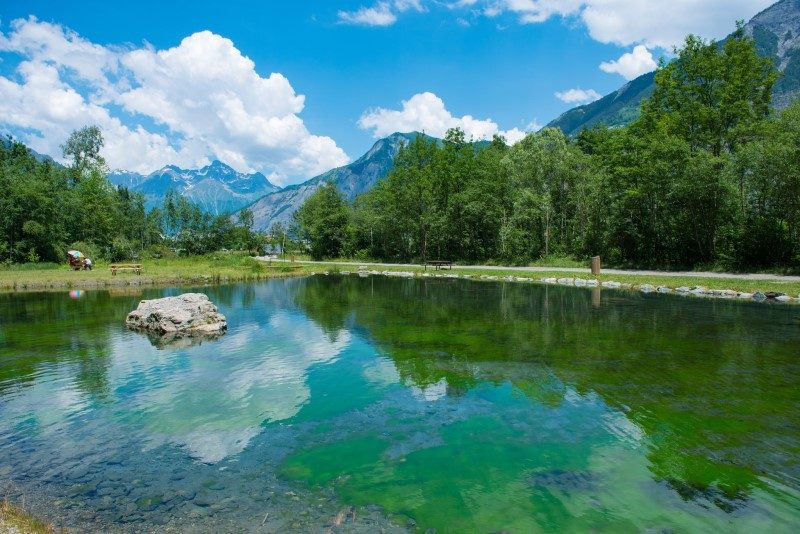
x,y
776,31
217,188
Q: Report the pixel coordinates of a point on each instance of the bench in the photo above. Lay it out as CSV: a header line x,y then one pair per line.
x,y
135,267
440,264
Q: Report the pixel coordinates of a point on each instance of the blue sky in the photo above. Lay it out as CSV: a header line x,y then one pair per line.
x,y
184,85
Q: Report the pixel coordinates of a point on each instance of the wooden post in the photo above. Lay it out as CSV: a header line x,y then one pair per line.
x,y
596,266
596,297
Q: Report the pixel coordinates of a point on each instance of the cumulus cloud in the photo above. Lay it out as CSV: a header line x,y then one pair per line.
x,y
49,43
578,96
632,64
627,22
381,14
426,112
48,109
205,98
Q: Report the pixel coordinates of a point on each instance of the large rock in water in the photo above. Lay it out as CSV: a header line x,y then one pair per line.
x,y
190,313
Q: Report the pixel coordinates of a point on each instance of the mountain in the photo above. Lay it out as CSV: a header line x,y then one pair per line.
x,y
6,141
776,32
615,109
216,188
352,179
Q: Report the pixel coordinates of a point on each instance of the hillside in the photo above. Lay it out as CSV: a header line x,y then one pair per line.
x,y
615,109
776,31
216,188
351,179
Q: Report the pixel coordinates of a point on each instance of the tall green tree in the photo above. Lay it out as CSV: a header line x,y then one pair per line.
x,y
323,220
82,148
712,94
768,172
547,171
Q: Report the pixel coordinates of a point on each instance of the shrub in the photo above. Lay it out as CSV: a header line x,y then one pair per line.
x,y
159,252
121,249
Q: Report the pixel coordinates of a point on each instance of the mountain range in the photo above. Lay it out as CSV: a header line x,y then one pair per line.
x,y
352,180
776,32
216,188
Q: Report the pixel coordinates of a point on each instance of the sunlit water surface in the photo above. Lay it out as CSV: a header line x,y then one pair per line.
x,y
356,404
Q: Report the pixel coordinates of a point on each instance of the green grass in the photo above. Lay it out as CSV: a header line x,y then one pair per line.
x,y
208,269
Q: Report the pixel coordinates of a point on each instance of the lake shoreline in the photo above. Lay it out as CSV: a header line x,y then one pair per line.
x,y
195,275
747,287
212,269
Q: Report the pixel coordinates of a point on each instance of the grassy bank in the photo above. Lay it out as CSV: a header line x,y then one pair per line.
x,y
16,520
673,281
237,267
198,270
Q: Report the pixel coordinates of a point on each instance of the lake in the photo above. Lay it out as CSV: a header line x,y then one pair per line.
x,y
360,404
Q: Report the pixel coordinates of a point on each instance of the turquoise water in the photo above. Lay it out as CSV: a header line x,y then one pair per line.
x,y
354,404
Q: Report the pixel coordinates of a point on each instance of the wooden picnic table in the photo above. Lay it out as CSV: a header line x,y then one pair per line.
x,y
135,267
440,264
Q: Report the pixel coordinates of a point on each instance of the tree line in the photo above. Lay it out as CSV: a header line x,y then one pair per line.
x,y
708,175
46,209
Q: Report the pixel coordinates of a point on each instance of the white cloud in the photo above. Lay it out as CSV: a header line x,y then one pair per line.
x,y
379,15
426,112
578,96
532,11
50,43
632,64
534,126
406,5
43,104
514,135
650,22
384,13
205,96
627,22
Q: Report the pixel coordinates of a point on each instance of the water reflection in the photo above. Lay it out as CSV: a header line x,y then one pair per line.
x,y
465,406
210,398
711,384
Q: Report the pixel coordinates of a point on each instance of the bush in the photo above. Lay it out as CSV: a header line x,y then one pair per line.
x,y
362,255
121,249
159,252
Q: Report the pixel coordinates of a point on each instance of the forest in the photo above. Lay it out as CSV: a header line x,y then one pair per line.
x,y
708,176
46,209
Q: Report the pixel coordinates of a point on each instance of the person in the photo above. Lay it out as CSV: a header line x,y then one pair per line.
x,y
87,264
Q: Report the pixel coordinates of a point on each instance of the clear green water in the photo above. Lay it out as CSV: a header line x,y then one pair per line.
x,y
452,405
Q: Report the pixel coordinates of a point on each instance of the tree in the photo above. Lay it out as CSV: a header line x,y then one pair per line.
x,y
545,170
323,219
83,149
767,172
711,95
249,239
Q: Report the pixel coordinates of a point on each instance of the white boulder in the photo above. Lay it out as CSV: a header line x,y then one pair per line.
x,y
188,313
